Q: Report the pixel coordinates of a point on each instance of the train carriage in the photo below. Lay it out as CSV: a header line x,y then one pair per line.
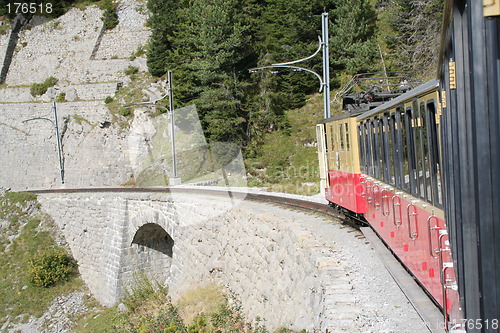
x,y
385,165
340,163
423,170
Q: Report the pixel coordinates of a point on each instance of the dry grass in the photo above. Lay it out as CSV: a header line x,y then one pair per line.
x,y
204,299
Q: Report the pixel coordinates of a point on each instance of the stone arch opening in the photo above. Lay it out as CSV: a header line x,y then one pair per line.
x,y
152,252
154,237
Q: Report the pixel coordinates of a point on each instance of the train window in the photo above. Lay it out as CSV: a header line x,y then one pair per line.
x,y
398,148
385,147
411,156
332,138
419,158
405,180
425,154
380,148
369,147
362,157
434,158
341,133
347,141
375,147
390,147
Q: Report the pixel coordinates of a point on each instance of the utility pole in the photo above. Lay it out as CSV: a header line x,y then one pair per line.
x,y
326,65
172,125
324,81
58,138
174,180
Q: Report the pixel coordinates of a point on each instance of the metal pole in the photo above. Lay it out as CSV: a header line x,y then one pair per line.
x,y
172,125
59,148
326,65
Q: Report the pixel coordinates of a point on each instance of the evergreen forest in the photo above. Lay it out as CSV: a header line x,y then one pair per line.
x,y
210,45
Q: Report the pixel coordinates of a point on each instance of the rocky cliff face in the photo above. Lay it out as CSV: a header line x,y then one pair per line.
x,y
89,64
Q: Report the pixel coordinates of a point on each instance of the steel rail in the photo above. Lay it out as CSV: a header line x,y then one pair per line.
x,y
316,207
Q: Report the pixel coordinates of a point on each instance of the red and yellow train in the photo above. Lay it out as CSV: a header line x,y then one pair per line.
x,y
384,166
422,169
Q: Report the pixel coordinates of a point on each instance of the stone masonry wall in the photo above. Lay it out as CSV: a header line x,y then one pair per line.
x,y
93,156
267,259
62,47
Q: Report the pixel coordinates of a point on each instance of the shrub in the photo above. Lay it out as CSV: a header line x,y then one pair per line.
x,y
38,89
109,17
50,267
125,112
61,98
131,70
108,100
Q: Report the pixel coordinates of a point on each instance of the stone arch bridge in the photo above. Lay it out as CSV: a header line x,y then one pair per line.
x,y
273,264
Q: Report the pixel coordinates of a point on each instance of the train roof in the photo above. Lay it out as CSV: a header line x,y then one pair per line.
x,y
422,89
341,116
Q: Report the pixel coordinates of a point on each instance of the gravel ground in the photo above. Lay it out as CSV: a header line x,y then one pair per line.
x,y
58,318
380,304
374,302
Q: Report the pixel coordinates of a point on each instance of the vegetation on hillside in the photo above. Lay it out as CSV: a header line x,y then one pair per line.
x,y
38,89
33,269
147,307
410,30
56,8
211,44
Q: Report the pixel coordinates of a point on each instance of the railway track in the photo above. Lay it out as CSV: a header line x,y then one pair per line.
x,y
307,205
426,309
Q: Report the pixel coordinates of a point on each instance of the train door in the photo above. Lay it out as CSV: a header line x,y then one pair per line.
x,y
322,156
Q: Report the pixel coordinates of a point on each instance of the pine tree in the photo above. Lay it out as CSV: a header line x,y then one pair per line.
x,y
352,36
163,22
414,39
288,30
213,43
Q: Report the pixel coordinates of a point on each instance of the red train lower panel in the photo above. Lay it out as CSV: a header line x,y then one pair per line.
x,y
346,190
416,235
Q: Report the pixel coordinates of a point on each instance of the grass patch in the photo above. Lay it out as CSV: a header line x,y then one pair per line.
x,y
141,51
202,310
286,160
38,89
19,299
131,70
61,98
80,119
21,198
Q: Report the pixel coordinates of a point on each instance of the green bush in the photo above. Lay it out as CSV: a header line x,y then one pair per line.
x,y
108,100
109,17
125,112
50,267
131,70
61,98
38,89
